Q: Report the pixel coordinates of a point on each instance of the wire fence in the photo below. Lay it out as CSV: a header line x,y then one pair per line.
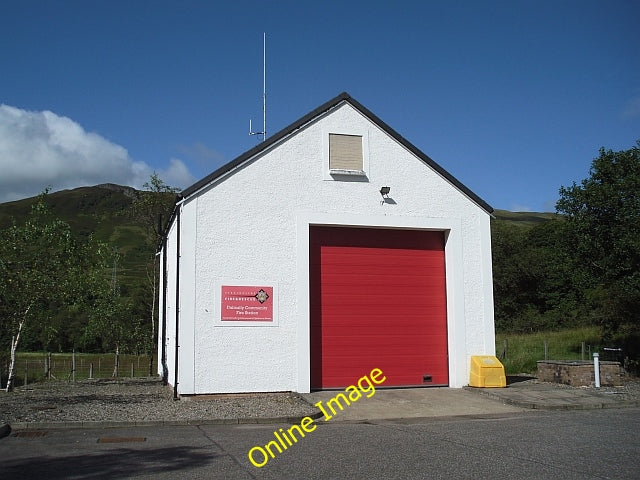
x,y
520,352
37,367
549,351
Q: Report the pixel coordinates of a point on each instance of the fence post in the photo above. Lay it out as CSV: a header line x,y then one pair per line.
x,y
90,370
582,352
73,365
131,369
117,362
546,350
26,372
596,369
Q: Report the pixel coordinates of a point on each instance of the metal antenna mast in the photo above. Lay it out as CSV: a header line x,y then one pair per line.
x,y
264,91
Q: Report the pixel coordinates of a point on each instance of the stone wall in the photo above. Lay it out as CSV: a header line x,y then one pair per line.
x,y
579,373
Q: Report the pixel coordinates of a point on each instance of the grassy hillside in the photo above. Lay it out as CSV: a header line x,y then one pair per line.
x,y
528,219
101,210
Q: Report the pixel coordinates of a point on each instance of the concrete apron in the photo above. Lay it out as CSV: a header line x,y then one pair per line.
x,y
399,403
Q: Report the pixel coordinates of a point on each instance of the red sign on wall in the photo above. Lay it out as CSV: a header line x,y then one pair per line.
x,y
246,304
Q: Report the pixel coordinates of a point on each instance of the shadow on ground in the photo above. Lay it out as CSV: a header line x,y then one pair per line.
x,y
511,379
117,463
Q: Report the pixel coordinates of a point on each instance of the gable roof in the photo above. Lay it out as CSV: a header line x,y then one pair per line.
x,y
343,97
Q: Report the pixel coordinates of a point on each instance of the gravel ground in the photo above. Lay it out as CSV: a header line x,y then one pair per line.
x,y
146,399
137,400
630,391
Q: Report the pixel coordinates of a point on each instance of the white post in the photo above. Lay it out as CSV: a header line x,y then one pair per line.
x,y
596,368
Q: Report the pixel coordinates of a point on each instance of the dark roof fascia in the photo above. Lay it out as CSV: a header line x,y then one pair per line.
x,y
425,158
187,192
275,138
344,96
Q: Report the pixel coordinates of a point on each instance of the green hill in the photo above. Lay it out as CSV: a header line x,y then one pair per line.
x,y
102,210
528,219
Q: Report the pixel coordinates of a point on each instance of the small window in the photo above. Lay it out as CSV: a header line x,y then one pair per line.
x,y
345,154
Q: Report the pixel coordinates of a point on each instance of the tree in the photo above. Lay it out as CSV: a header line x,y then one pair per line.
x,y
152,208
507,244
41,270
603,214
109,314
534,287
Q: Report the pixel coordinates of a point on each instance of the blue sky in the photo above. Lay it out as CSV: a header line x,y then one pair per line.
x,y
514,98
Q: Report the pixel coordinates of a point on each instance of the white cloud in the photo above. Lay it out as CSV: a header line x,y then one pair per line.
x,y
516,207
176,173
632,108
202,157
202,152
41,149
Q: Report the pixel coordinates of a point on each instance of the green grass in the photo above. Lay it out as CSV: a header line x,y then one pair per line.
x,y
31,366
524,350
522,353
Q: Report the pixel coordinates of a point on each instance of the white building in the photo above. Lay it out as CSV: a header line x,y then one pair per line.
x,y
332,248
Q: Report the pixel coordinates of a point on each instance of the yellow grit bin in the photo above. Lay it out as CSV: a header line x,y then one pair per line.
x,y
487,371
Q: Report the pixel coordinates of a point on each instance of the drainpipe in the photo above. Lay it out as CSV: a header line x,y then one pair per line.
x,y
175,366
596,368
165,369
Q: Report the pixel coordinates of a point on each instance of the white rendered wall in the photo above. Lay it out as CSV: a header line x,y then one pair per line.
x,y
170,340
188,226
253,224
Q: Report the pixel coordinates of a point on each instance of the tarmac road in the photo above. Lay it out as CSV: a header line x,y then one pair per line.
x,y
578,444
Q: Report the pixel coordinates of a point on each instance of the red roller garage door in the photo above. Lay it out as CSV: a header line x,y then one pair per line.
x,y
377,300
